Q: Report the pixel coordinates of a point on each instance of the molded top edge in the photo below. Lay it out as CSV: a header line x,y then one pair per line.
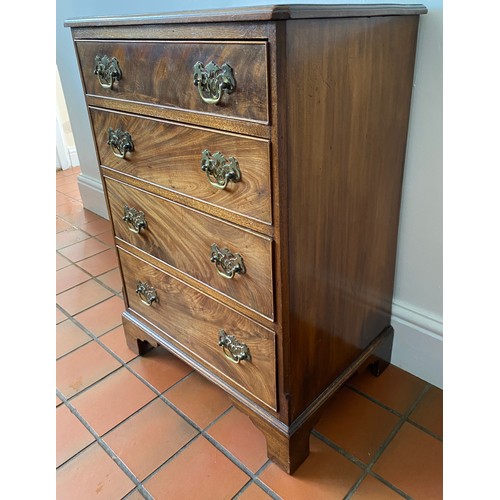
x,y
255,13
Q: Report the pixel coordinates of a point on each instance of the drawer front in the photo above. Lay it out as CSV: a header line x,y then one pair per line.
x,y
172,155
196,322
183,238
163,73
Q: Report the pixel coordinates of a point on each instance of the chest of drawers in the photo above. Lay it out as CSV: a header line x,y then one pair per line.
x,y
252,162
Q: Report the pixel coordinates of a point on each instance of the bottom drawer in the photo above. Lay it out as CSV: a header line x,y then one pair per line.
x,y
199,324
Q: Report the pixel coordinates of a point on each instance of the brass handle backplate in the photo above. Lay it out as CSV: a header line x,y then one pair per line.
x,y
146,293
227,263
213,80
120,142
135,219
107,70
233,349
219,169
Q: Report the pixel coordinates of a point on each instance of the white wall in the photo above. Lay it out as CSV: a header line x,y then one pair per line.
x,y
418,309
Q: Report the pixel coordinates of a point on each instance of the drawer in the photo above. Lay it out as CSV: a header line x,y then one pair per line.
x,y
198,323
184,238
162,73
172,155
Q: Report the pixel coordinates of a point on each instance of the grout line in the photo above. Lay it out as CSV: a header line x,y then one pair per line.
x,y
376,401
395,412
339,449
243,489
104,446
383,447
423,429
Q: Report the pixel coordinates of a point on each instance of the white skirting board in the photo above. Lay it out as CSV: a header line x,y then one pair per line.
x,y
418,343
92,195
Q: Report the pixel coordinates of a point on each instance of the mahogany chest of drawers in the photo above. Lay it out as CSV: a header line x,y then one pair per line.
x,y
252,162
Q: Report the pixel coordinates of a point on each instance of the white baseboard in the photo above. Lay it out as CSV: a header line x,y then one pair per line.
x,y
73,157
92,195
418,343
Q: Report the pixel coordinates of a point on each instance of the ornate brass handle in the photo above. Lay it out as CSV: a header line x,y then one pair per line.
x,y
135,219
219,169
120,142
233,349
107,71
213,80
146,293
227,263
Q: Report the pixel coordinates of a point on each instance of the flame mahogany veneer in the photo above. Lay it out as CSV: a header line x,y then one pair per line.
x,y
266,144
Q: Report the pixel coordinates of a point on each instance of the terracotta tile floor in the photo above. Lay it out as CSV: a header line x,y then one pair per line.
x,y
149,427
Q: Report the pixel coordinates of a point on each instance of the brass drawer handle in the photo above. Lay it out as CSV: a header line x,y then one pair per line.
x,y
146,293
135,219
107,70
213,80
233,349
120,142
219,169
227,263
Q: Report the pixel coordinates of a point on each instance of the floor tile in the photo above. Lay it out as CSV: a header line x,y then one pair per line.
x,y
70,276
115,340
160,368
97,226
65,210
201,472
236,432
254,492
60,316
325,474
373,489
356,424
149,438
100,263
135,495
395,388
201,400
62,198
71,435
112,400
102,317
83,249
69,337
82,297
67,238
83,367
112,279
62,225
91,474
413,461
80,217
107,238
61,261
429,411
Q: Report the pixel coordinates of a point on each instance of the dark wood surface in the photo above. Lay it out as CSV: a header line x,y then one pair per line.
x,y
171,64
194,320
256,13
191,252
349,85
322,115
168,154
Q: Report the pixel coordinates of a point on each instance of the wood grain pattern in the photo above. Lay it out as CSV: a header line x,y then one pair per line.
x,y
349,86
194,320
257,13
191,253
171,64
169,155
327,90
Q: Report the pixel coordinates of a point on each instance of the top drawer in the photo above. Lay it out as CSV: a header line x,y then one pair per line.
x,y
162,73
